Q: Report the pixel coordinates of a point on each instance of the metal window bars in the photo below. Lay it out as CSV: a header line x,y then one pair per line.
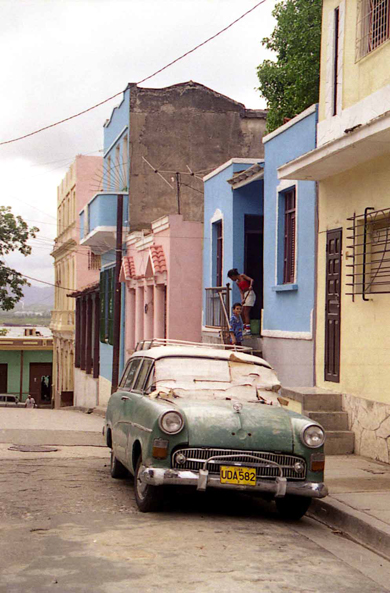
x,y
372,26
370,245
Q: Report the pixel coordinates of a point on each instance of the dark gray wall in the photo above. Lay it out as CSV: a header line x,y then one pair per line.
x,y
185,124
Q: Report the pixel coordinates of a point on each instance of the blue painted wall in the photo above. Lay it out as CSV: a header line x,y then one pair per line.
x,y
233,204
289,310
114,131
102,211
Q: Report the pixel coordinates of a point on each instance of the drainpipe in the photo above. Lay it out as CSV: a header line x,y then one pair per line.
x,y
117,295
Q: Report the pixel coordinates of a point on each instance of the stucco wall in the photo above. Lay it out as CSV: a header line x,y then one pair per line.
x,y
365,339
179,126
292,360
85,389
291,310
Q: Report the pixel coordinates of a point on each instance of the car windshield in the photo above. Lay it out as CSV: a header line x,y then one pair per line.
x,y
208,378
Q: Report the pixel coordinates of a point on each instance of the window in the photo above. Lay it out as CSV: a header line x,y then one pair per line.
x,y
372,26
217,238
107,287
130,373
93,261
108,173
289,237
143,375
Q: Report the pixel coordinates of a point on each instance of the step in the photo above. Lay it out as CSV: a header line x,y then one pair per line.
x,y
314,399
330,420
339,442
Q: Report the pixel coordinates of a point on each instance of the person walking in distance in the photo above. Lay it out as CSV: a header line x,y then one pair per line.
x,y
30,402
248,296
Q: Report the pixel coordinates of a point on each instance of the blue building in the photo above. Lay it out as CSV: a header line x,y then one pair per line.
x,y
98,231
233,238
289,254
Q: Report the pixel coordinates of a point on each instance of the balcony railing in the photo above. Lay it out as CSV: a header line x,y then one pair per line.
x,y
218,307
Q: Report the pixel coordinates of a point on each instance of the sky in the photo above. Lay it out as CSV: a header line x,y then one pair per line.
x,y
63,56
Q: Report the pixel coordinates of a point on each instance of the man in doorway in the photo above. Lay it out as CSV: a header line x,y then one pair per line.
x,y
30,402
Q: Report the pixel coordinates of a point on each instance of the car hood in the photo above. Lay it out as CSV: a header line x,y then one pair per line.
x,y
255,427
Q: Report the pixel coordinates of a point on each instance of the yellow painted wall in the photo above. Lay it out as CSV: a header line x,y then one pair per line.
x,y
362,78
365,326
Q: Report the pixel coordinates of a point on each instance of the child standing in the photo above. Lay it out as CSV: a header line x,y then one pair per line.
x,y
248,296
236,325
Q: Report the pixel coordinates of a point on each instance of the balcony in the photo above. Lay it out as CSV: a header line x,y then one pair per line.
x,y
62,321
98,221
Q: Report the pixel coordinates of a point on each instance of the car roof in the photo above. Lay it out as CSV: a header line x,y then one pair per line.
x,y
159,352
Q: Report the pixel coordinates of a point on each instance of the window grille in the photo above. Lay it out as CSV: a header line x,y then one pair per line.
x,y
370,246
372,26
94,262
289,237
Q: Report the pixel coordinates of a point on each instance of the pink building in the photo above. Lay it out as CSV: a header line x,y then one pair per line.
x,y
163,275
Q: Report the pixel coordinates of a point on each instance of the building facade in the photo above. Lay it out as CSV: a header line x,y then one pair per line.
x,y
74,267
290,209
26,363
350,164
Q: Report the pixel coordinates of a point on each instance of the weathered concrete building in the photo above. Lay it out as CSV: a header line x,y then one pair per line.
x,y
182,128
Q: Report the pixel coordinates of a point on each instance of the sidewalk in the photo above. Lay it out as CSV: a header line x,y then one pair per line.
x,y
359,500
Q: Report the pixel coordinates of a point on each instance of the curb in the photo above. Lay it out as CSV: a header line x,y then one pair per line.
x,y
363,528
99,411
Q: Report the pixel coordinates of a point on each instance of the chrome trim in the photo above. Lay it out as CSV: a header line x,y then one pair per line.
x,y
308,426
196,457
136,425
163,477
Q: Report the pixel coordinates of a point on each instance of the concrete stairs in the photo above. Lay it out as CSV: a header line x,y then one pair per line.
x,y
325,407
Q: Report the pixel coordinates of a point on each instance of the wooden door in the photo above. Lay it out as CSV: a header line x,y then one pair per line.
x,y
332,305
3,378
40,382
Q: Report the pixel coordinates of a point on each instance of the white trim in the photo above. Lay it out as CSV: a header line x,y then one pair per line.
x,y
365,143
218,170
288,335
259,175
216,217
290,123
115,141
211,330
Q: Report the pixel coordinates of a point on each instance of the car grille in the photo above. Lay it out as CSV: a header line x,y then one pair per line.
x,y
195,459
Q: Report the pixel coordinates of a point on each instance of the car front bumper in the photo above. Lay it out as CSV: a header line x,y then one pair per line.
x,y
202,479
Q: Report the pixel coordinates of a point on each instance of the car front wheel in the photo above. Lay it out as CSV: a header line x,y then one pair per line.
x,y
292,507
147,497
117,469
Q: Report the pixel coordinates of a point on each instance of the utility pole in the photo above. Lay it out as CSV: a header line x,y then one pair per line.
x,y
117,294
178,191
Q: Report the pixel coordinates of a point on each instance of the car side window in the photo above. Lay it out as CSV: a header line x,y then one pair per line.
x,y
143,375
131,373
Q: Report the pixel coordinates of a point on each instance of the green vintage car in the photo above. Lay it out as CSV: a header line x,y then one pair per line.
x,y
211,418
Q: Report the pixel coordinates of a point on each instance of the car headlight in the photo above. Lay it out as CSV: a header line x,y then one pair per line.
x,y
313,436
171,422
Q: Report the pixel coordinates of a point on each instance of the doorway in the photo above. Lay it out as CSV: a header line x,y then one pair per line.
x,y
40,382
3,378
332,305
253,262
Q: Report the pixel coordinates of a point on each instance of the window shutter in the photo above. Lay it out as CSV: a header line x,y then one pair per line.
x,y
289,238
103,282
111,289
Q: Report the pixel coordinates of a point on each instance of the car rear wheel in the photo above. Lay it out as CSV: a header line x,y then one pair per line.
x,y
118,470
147,497
292,507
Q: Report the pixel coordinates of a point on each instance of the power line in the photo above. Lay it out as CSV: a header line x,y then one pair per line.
x,y
140,82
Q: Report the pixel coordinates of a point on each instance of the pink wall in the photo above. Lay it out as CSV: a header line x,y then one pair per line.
x,y
89,170
182,245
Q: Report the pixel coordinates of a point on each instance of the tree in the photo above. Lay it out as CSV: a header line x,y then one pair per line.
x,y
14,234
291,84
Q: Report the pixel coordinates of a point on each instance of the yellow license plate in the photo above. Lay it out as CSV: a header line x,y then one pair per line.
x,y
245,476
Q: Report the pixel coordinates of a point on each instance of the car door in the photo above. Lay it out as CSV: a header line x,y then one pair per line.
x,y
122,418
136,430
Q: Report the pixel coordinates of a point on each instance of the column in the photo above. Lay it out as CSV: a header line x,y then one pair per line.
x,y
159,313
148,313
130,321
139,314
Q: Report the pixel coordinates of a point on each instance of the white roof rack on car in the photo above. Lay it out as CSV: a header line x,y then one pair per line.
x,y
156,342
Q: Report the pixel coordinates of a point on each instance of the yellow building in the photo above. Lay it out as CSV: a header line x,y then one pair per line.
x,y
351,165
75,267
